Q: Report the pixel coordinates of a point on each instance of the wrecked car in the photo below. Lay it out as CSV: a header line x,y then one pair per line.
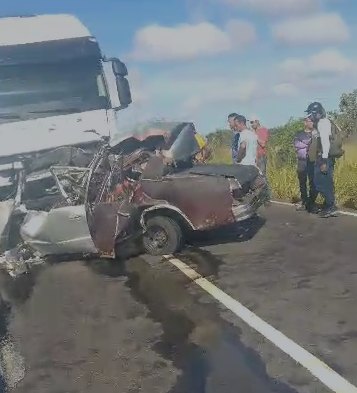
x,y
142,186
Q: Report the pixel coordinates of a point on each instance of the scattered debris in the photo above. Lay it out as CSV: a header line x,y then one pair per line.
x,y
19,260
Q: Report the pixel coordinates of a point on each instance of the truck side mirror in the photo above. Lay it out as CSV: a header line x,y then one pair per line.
x,y
119,68
124,92
115,72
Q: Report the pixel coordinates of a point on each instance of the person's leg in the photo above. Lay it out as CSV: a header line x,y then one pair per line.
x,y
302,177
313,193
262,165
318,178
327,184
319,181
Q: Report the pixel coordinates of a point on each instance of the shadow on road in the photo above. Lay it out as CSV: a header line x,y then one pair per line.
x,y
203,261
239,232
13,293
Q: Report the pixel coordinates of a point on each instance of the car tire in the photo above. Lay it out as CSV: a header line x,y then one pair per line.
x,y
163,236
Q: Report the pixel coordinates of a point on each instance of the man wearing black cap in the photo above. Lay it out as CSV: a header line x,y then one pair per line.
x,y
319,151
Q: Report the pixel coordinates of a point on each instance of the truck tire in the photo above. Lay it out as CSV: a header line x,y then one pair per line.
x,y
163,236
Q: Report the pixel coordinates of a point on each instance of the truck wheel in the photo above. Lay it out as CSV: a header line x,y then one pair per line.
x,y
163,236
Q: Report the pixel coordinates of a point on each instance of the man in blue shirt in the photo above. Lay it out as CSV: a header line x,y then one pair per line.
x,y
232,121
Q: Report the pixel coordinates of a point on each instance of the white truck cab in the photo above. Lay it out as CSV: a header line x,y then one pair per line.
x,y
55,86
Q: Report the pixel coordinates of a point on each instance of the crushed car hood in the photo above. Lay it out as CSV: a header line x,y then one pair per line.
x,y
176,139
243,173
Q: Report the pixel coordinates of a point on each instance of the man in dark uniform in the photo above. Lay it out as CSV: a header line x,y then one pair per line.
x,y
319,152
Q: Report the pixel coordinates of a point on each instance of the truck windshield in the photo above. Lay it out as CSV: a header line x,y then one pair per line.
x,y
30,91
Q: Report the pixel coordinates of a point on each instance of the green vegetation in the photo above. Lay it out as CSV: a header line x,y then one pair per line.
x,y
282,161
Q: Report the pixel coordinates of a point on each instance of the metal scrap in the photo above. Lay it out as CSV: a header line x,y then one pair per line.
x,y
19,260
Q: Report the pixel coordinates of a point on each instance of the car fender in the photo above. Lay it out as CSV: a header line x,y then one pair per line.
x,y
163,207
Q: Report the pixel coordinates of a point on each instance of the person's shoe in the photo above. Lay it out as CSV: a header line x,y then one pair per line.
x,y
313,209
329,212
301,207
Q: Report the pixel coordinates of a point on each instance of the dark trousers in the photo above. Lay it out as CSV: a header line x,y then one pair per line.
x,y
306,172
324,182
262,165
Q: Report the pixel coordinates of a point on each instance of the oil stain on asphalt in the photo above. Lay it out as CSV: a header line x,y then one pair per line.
x,y
205,348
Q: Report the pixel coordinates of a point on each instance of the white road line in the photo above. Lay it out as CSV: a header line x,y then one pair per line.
x,y
283,203
342,212
317,368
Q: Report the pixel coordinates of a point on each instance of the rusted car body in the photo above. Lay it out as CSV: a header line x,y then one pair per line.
x,y
94,202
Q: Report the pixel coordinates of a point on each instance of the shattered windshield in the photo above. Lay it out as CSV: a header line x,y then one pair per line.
x,y
30,91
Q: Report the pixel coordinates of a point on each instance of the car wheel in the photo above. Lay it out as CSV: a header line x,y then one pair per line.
x,y
163,235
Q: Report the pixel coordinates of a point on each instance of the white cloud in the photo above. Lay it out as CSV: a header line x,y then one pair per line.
x,y
319,29
184,91
189,41
285,90
323,70
219,91
275,7
327,63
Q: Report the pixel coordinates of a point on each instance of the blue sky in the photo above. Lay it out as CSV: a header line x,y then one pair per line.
x,y
202,59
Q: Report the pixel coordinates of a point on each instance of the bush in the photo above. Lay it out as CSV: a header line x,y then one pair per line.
x,y
284,183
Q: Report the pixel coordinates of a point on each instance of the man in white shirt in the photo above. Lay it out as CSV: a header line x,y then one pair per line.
x,y
248,143
324,164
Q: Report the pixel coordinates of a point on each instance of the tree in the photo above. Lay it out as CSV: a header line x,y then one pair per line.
x,y
220,138
281,141
334,115
347,118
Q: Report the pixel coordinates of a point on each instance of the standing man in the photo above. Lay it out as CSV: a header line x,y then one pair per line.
x,y
305,166
263,136
235,136
319,152
248,144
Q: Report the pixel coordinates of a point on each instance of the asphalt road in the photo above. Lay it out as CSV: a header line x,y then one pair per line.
x,y
143,326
